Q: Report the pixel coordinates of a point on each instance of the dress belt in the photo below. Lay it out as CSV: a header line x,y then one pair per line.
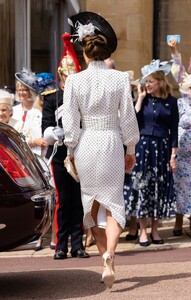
x,y
100,123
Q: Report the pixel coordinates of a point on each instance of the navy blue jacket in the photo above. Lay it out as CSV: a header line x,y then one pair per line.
x,y
48,119
159,117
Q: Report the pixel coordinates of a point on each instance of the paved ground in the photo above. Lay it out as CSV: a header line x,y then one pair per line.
x,y
140,275
160,272
165,229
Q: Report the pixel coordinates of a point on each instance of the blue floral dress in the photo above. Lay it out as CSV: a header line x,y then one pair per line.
x,y
183,174
149,190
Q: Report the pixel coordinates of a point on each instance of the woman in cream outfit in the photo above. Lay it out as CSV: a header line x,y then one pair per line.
x,y
100,99
29,117
6,109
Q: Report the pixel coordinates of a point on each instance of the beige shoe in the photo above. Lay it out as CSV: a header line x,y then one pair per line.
x,y
108,275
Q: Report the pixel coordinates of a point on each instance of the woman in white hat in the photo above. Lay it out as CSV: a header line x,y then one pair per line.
x,y
95,98
6,110
150,191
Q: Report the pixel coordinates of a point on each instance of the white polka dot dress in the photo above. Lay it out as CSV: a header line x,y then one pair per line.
x,y
100,99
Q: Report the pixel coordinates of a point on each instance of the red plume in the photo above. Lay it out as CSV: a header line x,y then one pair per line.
x,y
69,50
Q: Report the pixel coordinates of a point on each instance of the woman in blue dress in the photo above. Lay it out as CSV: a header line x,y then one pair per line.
x,y
183,172
149,191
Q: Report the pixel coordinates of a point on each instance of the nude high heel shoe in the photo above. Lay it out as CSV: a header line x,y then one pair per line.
x,y
108,275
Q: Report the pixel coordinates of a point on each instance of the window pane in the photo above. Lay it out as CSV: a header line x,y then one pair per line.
x,y
45,25
7,43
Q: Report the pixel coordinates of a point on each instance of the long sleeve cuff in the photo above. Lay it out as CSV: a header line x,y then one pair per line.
x,y
130,149
70,152
176,58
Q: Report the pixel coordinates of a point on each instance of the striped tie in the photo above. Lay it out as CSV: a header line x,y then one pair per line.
x,y
24,116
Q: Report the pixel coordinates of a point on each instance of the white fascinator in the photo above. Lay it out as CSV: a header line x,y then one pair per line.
x,y
155,66
82,30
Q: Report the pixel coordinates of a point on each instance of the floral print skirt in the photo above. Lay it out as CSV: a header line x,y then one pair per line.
x,y
182,176
149,189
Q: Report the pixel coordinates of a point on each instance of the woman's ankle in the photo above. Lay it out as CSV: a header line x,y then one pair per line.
x,y
179,222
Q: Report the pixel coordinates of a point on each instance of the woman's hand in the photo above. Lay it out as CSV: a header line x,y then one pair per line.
x,y
141,95
129,163
173,164
38,142
71,158
141,91
172,44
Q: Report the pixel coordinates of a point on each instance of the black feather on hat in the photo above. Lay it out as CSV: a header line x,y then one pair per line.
x,y
90,23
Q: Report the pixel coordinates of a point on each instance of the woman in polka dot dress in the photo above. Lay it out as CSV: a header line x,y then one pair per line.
x,y
100,98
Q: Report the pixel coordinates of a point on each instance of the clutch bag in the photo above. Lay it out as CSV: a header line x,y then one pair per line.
x,y
71,169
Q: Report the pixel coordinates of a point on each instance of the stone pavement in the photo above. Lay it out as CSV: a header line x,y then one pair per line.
x,y
165,230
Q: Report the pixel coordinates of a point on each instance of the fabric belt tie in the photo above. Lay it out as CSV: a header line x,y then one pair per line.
x,y
100,123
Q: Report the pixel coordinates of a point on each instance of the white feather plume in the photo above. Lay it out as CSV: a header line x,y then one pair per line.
x,y
28,77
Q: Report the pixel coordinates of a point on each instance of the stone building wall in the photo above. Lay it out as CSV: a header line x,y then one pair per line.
x,y
175,18
132,22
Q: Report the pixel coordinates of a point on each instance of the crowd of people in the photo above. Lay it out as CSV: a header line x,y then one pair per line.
x,y
132,153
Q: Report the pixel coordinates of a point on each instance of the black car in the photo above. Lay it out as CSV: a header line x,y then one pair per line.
x,y
26,197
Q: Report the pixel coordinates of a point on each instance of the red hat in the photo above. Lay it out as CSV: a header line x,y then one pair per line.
x,y
69,63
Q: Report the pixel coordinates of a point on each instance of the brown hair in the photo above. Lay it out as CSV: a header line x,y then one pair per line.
x,y
96,47
165,88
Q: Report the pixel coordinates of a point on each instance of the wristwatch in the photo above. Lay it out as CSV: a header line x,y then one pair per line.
x,y
174,155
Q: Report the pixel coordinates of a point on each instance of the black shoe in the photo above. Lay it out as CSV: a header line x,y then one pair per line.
x,y
59,254
80,254
131,237
39,245
144,244
177,232
156,242
38,248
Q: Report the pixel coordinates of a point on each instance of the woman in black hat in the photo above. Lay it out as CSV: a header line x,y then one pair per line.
x,y
100,99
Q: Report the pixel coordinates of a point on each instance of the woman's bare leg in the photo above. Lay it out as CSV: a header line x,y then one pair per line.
x,y
133,226
89,238
113,231
154,230
179,222
98,233
143,230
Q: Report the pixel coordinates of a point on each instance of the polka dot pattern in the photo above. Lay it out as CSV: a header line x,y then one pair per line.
x,y
101,99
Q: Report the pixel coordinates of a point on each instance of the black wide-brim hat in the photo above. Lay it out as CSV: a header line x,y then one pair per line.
x,y
101,26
